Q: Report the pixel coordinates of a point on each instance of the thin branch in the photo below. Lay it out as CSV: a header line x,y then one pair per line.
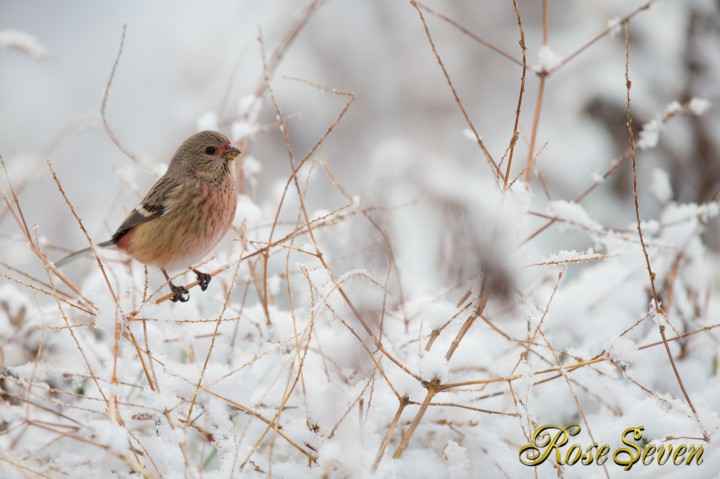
x,y
103,107
631,138
480,142
516,133
472,35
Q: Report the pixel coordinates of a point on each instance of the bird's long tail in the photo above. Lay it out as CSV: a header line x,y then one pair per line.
x,y
72,257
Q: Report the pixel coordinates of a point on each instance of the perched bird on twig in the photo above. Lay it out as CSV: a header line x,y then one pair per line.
x,y
185,214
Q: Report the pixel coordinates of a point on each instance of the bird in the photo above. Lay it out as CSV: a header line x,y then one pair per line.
x,y
185,214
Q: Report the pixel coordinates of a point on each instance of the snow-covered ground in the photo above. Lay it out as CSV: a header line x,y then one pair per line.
x,y
415,315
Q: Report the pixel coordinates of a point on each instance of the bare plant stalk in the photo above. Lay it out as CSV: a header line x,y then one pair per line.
x,y
151,383
631,138
706,436
535,126
318,252
531,339
432,389
480,142
87,237
273,426
45,292
516,134
470,34
404,401
572,392
612,169
285,44
651,274
77,343
599,36
103,107
479,309
277,56
212,342
19,218
569,367
543,73
390,254
259,252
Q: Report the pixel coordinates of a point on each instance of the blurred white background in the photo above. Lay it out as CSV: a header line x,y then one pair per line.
x,y
182,60
403,144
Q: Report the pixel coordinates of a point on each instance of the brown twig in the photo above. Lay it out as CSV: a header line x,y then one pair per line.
x,y
103,107
471,125
472,35
611,170
599,36
631,138
212,341
274,427
572,392
706,436
280,51
19,217
433,387
404,401
542,74
516,133
87,236
479,309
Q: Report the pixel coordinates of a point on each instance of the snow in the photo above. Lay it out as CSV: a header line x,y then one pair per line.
x,y
547,59
650,134
571,256
572,215
615,26
660,186
500,309
208,121
622,350
469,134
673,107
458,463
251,165
23,42
114,436
699,106
247,124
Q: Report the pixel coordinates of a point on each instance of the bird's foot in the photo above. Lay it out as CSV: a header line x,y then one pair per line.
x,y
180,293
203,279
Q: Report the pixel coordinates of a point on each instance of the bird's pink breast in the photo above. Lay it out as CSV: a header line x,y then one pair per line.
x,y
197,221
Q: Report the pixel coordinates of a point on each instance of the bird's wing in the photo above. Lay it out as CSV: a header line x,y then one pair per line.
x,y
157,203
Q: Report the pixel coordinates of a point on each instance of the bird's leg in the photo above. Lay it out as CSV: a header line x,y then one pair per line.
x,y
180,293
203,278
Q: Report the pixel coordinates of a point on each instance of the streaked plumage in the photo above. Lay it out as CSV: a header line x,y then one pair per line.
x,y
185,214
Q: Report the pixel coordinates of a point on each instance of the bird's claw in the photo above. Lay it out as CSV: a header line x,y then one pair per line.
x,y
180,293
203,279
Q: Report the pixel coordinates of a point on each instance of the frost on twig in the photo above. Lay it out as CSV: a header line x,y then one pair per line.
x,y
547,59
650,133
23,42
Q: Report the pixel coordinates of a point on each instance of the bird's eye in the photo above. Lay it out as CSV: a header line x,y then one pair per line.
x,y
210,150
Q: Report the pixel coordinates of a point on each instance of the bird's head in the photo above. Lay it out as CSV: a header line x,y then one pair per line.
x,y
207,153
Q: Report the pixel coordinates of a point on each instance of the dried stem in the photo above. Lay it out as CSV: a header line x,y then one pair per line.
x,y
480,142
631,138
706,436
103,107
432,389
516,133
404,401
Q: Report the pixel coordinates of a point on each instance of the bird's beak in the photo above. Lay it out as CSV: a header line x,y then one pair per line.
x,y
231,152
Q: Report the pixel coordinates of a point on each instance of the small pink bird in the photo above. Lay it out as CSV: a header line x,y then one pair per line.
x,y
185,214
